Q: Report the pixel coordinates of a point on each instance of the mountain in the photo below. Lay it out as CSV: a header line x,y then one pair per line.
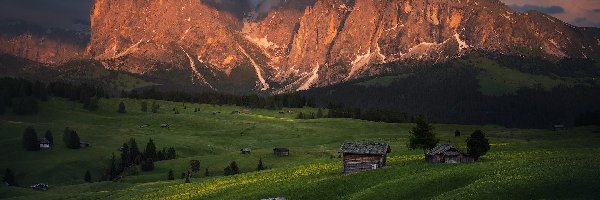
x,y
41,44
276,46
282,46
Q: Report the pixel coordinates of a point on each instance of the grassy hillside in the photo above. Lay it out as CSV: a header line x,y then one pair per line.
x,y
521,164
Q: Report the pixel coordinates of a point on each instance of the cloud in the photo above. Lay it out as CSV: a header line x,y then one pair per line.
x,y
52,13
596,10
549,9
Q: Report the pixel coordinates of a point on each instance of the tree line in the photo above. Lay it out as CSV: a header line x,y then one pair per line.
x,y
131,157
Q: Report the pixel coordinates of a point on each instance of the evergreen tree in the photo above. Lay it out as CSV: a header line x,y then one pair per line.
x,y
87,177
195,165
71,139
150,151
9,178
122,108
30,140
49,137
206,174
260,165
171,175
144,106
457,133
171,154
422,135
148,165
477,145
134,152
234,167
228,171
112,172
188,176
125,160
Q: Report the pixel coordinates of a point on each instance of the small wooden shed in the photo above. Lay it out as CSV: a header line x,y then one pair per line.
x,y
446,153
359,157
281,151
44,143
246,150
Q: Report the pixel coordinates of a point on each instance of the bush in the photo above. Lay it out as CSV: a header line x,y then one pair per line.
x,y
30,140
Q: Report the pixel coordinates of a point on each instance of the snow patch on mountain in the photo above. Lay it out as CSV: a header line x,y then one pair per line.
x,y
311,80
263,83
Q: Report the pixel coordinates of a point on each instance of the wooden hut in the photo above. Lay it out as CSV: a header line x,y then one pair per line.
x,y
359,157
44,143
246,150
446,153
281,151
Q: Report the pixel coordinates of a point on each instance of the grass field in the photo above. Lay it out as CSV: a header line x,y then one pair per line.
x,y
522,164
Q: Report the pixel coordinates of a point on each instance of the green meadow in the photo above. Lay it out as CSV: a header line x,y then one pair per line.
x,y
522,163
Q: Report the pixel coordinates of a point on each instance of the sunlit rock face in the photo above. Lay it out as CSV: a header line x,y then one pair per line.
x,y
285,45
44,45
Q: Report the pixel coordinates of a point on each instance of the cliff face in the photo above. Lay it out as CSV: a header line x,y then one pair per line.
x,y
44,45
295,45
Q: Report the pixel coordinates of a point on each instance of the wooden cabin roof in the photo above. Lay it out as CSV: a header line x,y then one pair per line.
x,y
281,149
446,149
43,141
363,148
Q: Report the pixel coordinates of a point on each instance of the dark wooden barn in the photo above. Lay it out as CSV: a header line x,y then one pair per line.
x,y
246,151
281,151
446,153
359,157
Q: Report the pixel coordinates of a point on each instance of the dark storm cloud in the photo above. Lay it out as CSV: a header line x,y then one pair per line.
x,y
52,13
549,9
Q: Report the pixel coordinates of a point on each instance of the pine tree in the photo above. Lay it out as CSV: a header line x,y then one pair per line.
x,y
150,151
228,171
49,137
134,151
9,178
87,177
171,154
71,139
171,175
39,91
30,140
188,176
144,106
206,174
234,167
125,160
122,108
112,168
422,135
260,165
195,165
477,145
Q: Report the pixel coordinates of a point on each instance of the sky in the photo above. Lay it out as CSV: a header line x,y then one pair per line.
x,y
72,13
